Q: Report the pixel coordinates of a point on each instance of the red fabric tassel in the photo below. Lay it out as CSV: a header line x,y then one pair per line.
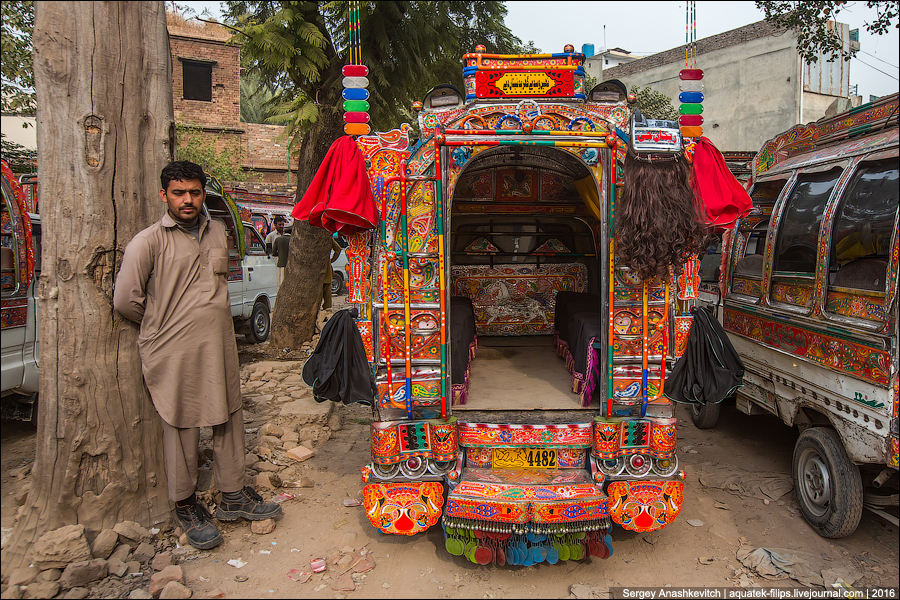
x,y
722,194
340,199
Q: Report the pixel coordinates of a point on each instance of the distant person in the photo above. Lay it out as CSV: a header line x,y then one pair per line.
x,y
173,282
279,230
329,275
280,250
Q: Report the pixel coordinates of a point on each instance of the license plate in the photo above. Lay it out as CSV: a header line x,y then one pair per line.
x,y
524,458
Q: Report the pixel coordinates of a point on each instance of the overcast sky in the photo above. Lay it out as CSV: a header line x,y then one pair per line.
x,y
649,27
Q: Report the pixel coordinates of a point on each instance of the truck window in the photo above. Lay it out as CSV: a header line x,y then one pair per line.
x,y
798,231
863,226
252,242
8,274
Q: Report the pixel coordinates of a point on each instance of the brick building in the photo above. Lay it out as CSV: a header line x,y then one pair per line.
x,y
206,76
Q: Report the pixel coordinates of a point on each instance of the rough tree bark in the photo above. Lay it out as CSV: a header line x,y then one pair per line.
x,y
300,294
105,128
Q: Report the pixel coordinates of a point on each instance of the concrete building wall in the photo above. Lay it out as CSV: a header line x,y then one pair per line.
x,y
751,78
12,127
755,83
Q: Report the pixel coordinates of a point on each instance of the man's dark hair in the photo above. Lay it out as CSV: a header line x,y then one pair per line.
x,y
279,219
182,170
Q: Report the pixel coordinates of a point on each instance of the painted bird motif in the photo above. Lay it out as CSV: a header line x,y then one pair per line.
x,y
631,391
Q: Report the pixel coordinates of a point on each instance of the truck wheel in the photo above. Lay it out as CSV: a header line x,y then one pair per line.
x,y
705,416
829,486
259,323
337,283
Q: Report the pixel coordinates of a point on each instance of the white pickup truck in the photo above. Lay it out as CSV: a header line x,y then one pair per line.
x,y
252,287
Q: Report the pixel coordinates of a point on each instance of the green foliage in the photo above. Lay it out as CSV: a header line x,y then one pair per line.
x,y
17,65
256,100
810,19
19,158
219,156
589,83
654,105
299,48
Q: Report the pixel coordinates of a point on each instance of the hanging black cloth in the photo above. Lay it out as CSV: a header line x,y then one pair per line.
x,y
338,369
710,369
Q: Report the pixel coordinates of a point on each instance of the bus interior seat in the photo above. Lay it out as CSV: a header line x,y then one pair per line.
x,y
750,266
867,273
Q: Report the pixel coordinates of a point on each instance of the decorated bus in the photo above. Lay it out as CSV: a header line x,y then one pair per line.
x,y
525,288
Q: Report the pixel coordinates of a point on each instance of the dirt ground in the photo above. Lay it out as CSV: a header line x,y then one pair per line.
x,y
698,549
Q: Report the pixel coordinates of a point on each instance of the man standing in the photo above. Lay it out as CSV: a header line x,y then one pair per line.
x,y
281,250
273,235
173,283
329,275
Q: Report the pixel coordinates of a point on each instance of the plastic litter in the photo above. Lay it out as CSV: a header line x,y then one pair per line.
x,y
317,564
298,575
282,497
352,502
236,562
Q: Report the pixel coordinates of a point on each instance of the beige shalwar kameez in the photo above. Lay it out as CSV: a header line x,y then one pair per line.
x,y
176,288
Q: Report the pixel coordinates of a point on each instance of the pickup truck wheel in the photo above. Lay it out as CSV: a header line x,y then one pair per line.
x,y
259,323
337,283
705,416
829,486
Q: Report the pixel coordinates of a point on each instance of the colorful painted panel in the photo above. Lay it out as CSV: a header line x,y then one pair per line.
x,y
517,185
555,188
526,495
403,508
392,392
682,332
796,294
423,281
793,141
18,224
444,441
516,299
645,506
365,332
358,252
628,382
487,435
552,246
858,360
476,186
13,313
482,245
628,330
750,287
614,438
856,305
630,288
425,335
567,458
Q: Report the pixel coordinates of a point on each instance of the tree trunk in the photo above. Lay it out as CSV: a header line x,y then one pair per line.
x,y
300,294
105,128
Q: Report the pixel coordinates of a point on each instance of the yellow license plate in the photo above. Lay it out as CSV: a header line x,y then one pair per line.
x,y
524,458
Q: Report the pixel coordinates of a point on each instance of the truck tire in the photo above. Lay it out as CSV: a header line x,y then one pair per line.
x,y
260,323
337,283
705,416
829,487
